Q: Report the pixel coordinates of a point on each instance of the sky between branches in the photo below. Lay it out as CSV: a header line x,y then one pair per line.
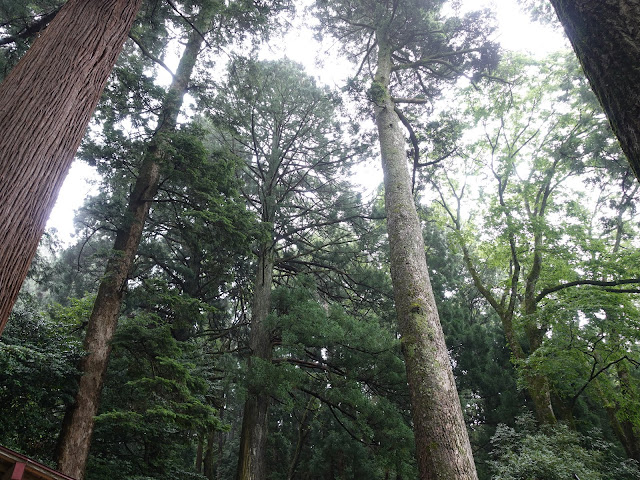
x,y
516,32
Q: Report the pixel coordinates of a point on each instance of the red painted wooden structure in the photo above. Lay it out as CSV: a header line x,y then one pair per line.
x,y
15,466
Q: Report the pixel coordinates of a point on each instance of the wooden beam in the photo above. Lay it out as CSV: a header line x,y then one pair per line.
x,y
16,472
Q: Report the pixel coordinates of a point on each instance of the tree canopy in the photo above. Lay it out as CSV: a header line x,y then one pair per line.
x,y
239,301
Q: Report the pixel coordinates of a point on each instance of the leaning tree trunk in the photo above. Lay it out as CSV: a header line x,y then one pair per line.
x,y
77,429
46,102
606,39
442,443
253,437
537,384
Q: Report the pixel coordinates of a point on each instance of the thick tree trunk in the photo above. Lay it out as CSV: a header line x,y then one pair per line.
x,y
442,444
77,429
539,390
623,429
253,438
606,39
46,102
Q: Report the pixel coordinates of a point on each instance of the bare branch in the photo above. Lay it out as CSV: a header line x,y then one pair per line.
x,y
173,6
150,55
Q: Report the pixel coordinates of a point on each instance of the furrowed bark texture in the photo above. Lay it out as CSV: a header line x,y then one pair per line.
x,y
253,438
77,430
605,35
442,443
46,103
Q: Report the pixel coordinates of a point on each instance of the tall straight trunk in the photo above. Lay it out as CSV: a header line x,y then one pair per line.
x,y
253,437
209,466
46,103
442,443
199,452
77,428
606,39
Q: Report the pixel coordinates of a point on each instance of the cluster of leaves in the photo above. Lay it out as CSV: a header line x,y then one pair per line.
x,y
38,356
555,453
157,389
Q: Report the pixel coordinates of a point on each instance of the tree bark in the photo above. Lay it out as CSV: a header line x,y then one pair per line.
x,y
606,38
253,437
208,461
46,103
538,385
303,433
78,424
442,443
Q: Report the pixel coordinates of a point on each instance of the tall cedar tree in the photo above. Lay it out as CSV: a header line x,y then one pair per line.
x,y
410,49
606,39
75,439
283,126
46,103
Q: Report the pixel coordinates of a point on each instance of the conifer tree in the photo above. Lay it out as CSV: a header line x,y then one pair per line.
x,y
75,440
282,126
408,44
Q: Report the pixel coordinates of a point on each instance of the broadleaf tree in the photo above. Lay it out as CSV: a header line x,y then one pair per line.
x,y
535,246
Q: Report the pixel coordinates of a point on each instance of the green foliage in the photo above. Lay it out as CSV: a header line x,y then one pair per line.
x,y
346,373
525,453
20,22
155,391
38,357
416,32
266,168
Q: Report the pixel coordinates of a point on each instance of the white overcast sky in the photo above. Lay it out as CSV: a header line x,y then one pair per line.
x,y
516,32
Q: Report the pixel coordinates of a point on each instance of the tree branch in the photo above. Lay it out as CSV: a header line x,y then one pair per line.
x,y
34,28
420,101
424,62
150,55
173,6
597,283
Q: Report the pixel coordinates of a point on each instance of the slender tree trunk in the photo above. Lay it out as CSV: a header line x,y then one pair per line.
x,y
303,433
606,39
538,385
199,452
46,103
253,437
442,444
209,466
77,429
